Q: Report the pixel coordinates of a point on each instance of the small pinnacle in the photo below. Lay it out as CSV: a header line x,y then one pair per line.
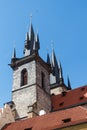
x,y
14,53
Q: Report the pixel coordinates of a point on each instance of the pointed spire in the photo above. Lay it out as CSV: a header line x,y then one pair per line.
x,y
37,40
48,58
14,54
27,37
53,60
31,30
13,59
26,41
26,46
60,69
69,84
36,44
29,41
54,68
61,80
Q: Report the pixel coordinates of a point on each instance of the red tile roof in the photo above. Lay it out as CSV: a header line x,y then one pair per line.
x,y
52,120
69,99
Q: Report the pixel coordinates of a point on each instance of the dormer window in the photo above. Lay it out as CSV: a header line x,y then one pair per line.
x,y
24,77
66,120
28,129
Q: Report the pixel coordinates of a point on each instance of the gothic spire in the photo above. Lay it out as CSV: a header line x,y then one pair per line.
x,y
69,84
54,66
54,60
48,58
27,41
27,37
61,80
14,54
36,44
13,59
31,31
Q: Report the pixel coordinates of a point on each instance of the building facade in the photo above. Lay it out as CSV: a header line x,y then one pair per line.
x,y
34,80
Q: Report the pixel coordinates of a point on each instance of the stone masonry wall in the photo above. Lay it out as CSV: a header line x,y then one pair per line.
x,y
24,96
39,70
43,94
31,69
23,99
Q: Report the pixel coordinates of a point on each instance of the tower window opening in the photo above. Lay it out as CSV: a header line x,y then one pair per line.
x,y
24,77
43,80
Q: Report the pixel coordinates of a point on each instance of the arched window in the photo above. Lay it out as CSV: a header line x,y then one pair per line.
x,y
43,80
24,77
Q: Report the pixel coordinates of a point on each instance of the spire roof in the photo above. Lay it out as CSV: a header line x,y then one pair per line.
x,y
60,70
54,60
31,32
26,40
69,84
37,40
60,73
36,44
48,58
27,37
14,54
54,67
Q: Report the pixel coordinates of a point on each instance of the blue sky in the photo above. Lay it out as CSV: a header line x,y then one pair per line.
x,y
62,21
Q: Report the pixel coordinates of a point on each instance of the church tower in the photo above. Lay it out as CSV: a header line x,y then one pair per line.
x,y
31,82
57,85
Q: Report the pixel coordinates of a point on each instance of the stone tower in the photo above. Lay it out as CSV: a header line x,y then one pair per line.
x,y
31,82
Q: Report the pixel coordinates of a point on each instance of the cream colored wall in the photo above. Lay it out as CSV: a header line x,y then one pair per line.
x,y
6,116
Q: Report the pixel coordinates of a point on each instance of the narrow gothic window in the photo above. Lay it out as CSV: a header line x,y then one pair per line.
x,y
43,80
24,77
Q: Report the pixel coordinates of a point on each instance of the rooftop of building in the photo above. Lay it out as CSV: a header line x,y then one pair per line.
x,y
71,98
51,121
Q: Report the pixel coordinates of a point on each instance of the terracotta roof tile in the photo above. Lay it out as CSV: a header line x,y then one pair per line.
x,y
52,120
69,99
